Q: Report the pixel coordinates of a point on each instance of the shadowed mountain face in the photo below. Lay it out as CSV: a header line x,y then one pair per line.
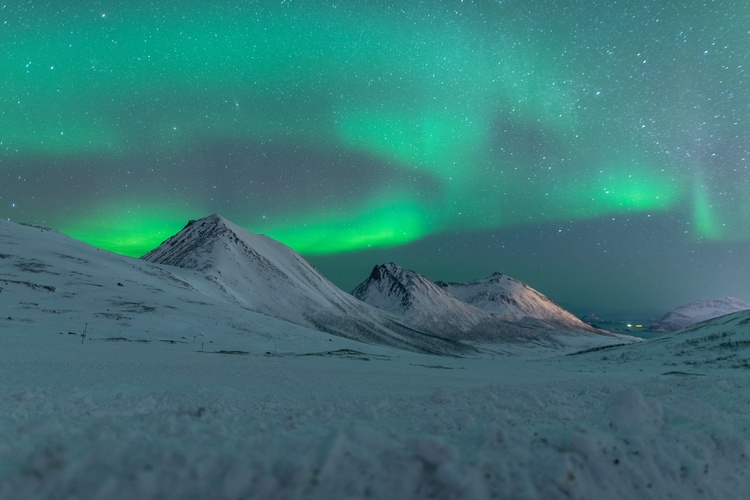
x,y
401,291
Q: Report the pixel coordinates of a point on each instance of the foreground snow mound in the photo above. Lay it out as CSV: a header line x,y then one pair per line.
x,y
121,420
267,276
696,312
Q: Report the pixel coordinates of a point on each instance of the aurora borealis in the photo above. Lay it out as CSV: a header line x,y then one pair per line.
x,y
598,151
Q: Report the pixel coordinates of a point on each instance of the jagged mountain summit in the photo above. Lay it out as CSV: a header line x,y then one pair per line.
x,y
433,307
696,312
266,276
257,271
507,298
421,303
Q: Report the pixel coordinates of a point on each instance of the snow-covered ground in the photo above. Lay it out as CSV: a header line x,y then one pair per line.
x,y
118,419
178,392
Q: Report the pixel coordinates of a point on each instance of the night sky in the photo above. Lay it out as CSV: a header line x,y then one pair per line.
x,y
599,151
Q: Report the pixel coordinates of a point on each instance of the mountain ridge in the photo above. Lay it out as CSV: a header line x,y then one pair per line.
x,y
215,280
270,277
431,306
422,303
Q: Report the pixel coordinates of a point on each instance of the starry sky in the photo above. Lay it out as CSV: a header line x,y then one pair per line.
x,y
599,151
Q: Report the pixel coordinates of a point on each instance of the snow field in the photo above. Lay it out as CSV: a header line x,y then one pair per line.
x,y
130,420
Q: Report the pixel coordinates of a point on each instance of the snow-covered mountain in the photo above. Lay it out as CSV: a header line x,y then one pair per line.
x,y
513,300
231,283
420,302
256,271
214,280
696,312
433,307
268,277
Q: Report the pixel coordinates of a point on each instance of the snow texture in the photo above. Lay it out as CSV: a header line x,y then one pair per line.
x,y
120,378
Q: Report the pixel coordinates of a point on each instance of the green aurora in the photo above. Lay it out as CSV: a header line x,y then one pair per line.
x,y
338,127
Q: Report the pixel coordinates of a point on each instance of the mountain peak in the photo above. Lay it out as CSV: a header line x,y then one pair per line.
x,y
198,243
209,219
381,271
391,287
496,278
513,300
216,219
420,302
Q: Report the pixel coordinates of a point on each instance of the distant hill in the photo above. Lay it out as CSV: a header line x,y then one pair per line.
x,y
696,312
